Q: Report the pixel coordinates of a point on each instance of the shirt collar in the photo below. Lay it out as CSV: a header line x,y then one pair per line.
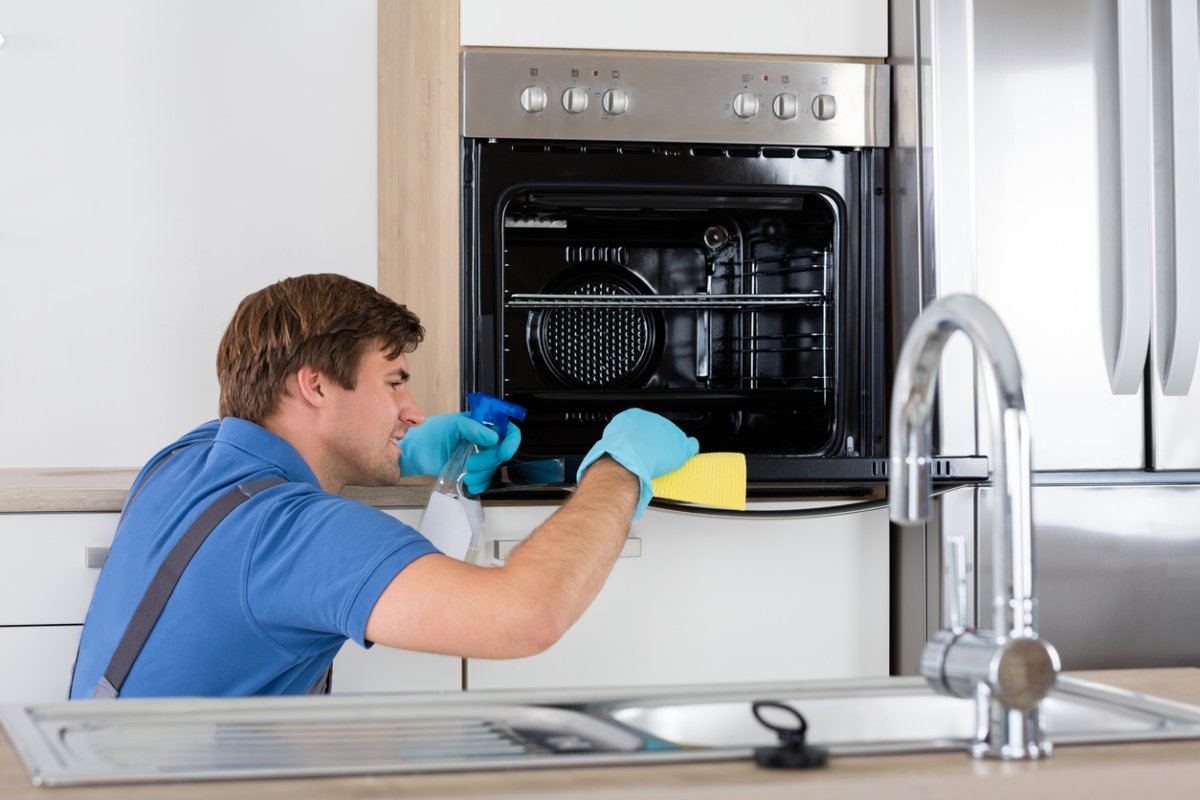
x,y
260,442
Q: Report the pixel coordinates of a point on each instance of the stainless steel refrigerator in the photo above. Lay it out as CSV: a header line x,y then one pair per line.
x,y
1046,157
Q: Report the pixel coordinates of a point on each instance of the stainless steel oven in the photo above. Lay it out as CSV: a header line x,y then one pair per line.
x,y
703,238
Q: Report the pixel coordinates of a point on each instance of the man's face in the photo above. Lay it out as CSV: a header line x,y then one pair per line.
x,y
368,421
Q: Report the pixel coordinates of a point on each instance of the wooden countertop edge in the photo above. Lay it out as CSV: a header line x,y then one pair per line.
x,y
29,491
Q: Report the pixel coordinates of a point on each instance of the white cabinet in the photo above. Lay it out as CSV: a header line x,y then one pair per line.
x,y
46,586
37,662
385,669
848,28
44,577
719,599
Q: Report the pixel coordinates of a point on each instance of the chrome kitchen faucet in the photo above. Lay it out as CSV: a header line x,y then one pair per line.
x,y
1008,670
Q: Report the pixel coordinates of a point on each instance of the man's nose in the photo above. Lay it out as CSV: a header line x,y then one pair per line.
x,y
410,412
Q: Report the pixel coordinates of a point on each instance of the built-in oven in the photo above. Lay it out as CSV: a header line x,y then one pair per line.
x,y
703,238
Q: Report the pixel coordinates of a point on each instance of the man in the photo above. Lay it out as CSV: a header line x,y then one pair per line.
x,y
313,375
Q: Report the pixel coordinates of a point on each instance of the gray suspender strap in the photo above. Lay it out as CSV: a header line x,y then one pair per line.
x,y
145,617
134,491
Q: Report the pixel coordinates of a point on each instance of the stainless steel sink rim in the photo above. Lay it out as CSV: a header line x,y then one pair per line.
x,y
350,723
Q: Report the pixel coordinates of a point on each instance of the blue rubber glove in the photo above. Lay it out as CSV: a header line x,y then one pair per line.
x,y
483,465
646,444
427,447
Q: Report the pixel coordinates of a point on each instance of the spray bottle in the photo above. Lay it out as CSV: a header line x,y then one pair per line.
x,y
453,514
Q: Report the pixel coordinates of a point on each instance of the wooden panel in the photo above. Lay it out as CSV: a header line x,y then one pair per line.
x,y
419,185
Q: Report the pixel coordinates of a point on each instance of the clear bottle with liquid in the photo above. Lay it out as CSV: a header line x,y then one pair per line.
x,y
453,515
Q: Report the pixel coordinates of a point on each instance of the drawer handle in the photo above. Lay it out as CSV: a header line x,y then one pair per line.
x,y
503,547
94,556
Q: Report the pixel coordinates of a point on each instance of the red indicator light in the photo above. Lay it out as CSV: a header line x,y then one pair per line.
x,y
595,73
766,77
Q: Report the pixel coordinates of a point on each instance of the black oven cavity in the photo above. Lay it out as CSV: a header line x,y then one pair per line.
x,y
736,290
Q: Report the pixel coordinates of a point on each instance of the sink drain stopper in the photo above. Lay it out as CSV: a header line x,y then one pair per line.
x,y
792,752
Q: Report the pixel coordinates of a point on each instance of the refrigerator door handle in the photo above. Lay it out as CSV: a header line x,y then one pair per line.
x,y
1126,302
1178,291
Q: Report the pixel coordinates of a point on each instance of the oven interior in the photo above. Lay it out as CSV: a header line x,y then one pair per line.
x,y
719,312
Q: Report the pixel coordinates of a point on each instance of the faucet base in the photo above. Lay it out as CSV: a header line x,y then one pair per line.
x,y
1008,679
1007,733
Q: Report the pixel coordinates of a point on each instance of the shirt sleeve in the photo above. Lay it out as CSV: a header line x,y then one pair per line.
x,y
319,564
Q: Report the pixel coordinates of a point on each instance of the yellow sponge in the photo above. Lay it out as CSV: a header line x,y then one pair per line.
x,y
708,479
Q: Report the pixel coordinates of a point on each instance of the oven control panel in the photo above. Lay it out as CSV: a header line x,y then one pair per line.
x,y
583,95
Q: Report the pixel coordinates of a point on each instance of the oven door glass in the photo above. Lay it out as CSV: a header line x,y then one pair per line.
x,y
722,291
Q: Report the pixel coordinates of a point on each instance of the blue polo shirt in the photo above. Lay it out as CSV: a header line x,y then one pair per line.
x,y
271,595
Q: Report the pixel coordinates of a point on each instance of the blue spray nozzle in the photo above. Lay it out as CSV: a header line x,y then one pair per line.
x,y
493,412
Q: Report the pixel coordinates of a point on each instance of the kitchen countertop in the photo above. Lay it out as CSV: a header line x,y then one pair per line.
x,y
1158,770
54,490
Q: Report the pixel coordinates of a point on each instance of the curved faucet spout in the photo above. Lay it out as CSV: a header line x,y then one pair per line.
x,y
1010,669
911,443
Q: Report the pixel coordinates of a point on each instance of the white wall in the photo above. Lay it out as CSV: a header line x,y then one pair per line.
x,y
158,161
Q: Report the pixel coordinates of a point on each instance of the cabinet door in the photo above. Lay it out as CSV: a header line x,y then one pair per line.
x,y
37,662
44,574
850,28
385,669
719,599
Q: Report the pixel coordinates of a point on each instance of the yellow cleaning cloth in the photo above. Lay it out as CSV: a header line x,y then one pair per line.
x,y
708,479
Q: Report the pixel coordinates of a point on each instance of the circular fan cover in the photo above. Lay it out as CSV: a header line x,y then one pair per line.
x,y
597,348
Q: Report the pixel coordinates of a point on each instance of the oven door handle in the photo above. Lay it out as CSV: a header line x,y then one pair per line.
x,y
792,513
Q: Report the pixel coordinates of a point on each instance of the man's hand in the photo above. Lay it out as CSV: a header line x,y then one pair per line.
x,y
427,447
646,444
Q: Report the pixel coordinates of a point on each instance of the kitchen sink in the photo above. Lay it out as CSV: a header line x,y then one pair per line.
x,y
206,739
900,715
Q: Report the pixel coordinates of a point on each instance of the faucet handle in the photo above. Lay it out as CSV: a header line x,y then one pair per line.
x,y
955,591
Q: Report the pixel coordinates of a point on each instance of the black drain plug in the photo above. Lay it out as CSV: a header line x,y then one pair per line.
x,y
793,752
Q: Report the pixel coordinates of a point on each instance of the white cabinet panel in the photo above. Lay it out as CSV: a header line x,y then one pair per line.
x,y
787,27
384,669
36,663
44,578
719,599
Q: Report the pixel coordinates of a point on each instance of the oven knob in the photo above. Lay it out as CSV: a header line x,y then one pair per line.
x,y
615,102
785,106
575,100
824,106
533,99
745,105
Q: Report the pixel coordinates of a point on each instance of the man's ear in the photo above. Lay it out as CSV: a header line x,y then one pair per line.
x,y
311,386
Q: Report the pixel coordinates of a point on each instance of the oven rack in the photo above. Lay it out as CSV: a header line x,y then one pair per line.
x,y
733,301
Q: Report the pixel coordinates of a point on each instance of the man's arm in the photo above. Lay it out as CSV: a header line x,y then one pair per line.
x,y
440,605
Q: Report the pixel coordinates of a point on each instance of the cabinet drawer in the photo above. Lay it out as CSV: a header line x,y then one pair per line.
x,y
36,664
44,576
